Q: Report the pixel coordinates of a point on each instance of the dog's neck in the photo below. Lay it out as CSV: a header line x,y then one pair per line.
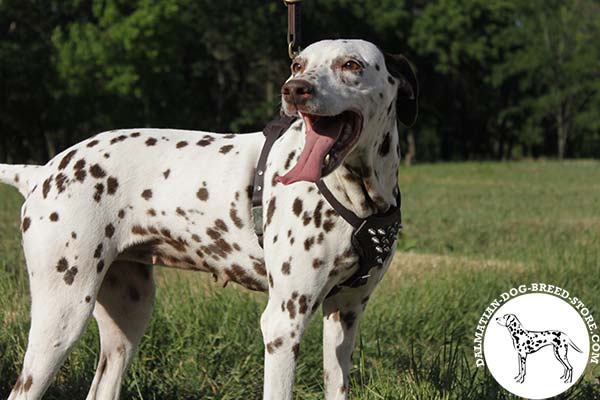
x,y
367,180
512,329
513,337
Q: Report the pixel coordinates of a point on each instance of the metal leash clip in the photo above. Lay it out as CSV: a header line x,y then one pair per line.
x,y
294,27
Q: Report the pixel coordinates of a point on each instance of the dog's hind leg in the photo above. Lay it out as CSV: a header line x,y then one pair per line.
x,y
62,285
123,310
565,368
341,315
561,354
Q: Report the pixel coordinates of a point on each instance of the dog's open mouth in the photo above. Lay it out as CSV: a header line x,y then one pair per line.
x,y
328,140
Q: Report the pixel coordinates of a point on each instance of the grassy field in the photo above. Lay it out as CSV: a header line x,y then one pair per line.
x,y
472,230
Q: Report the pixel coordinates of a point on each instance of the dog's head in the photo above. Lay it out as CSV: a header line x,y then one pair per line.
x,y
508,320
346,91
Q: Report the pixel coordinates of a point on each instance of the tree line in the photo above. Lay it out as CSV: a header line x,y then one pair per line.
x,y
500,79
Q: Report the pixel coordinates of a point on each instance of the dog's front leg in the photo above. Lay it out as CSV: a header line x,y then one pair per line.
x,y
296,284
516,378
522,366
287,314
282,326
341,315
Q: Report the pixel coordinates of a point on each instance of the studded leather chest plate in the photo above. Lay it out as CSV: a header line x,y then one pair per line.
x,y
373,242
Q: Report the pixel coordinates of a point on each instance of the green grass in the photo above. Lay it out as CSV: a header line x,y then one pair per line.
x,y
472,230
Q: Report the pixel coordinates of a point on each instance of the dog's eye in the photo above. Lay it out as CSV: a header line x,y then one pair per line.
x,y
352,65
296,67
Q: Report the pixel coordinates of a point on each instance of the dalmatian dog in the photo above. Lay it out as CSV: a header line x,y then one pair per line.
x,y
528,342
101,214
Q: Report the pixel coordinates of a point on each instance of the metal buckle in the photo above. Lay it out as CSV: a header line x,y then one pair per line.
x,y
257,215
291,52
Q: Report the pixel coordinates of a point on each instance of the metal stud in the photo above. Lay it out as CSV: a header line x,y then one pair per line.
x,y
381,231
379,260
260,172
378,249
259,188
375,240
371,231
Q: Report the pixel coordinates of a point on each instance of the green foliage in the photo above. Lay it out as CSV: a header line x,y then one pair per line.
x,y
551,51
499,78
459,32
454,39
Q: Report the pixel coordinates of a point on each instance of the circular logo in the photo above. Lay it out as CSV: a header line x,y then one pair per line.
x,y
536,345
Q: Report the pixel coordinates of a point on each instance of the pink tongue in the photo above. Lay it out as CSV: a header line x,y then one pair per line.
x,y
317,144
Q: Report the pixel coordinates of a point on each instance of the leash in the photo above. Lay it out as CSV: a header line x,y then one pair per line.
x,y
294,33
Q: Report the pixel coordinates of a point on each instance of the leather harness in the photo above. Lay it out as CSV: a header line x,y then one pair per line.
x,y
373,236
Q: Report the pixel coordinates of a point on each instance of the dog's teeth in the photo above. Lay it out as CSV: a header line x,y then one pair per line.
x,y
327,159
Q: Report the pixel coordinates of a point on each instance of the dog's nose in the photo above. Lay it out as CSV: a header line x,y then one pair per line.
x,y
297,91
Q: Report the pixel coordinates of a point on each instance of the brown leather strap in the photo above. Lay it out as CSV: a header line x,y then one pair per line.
x,y
272,132
348,215
390,216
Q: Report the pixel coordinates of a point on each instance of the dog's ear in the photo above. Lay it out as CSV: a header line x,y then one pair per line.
x,y
407,102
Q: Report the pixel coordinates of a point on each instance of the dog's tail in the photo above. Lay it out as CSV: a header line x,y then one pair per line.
x,y
23,177
573,346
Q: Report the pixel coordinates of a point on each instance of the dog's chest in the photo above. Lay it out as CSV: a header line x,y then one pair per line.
x,y
300,226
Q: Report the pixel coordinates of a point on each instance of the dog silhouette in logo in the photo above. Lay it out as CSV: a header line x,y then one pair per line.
x,y
527,342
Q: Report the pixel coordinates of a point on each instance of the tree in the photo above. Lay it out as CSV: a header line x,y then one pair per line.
x,y
180,63
454,40
496,75
29,113
551,49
